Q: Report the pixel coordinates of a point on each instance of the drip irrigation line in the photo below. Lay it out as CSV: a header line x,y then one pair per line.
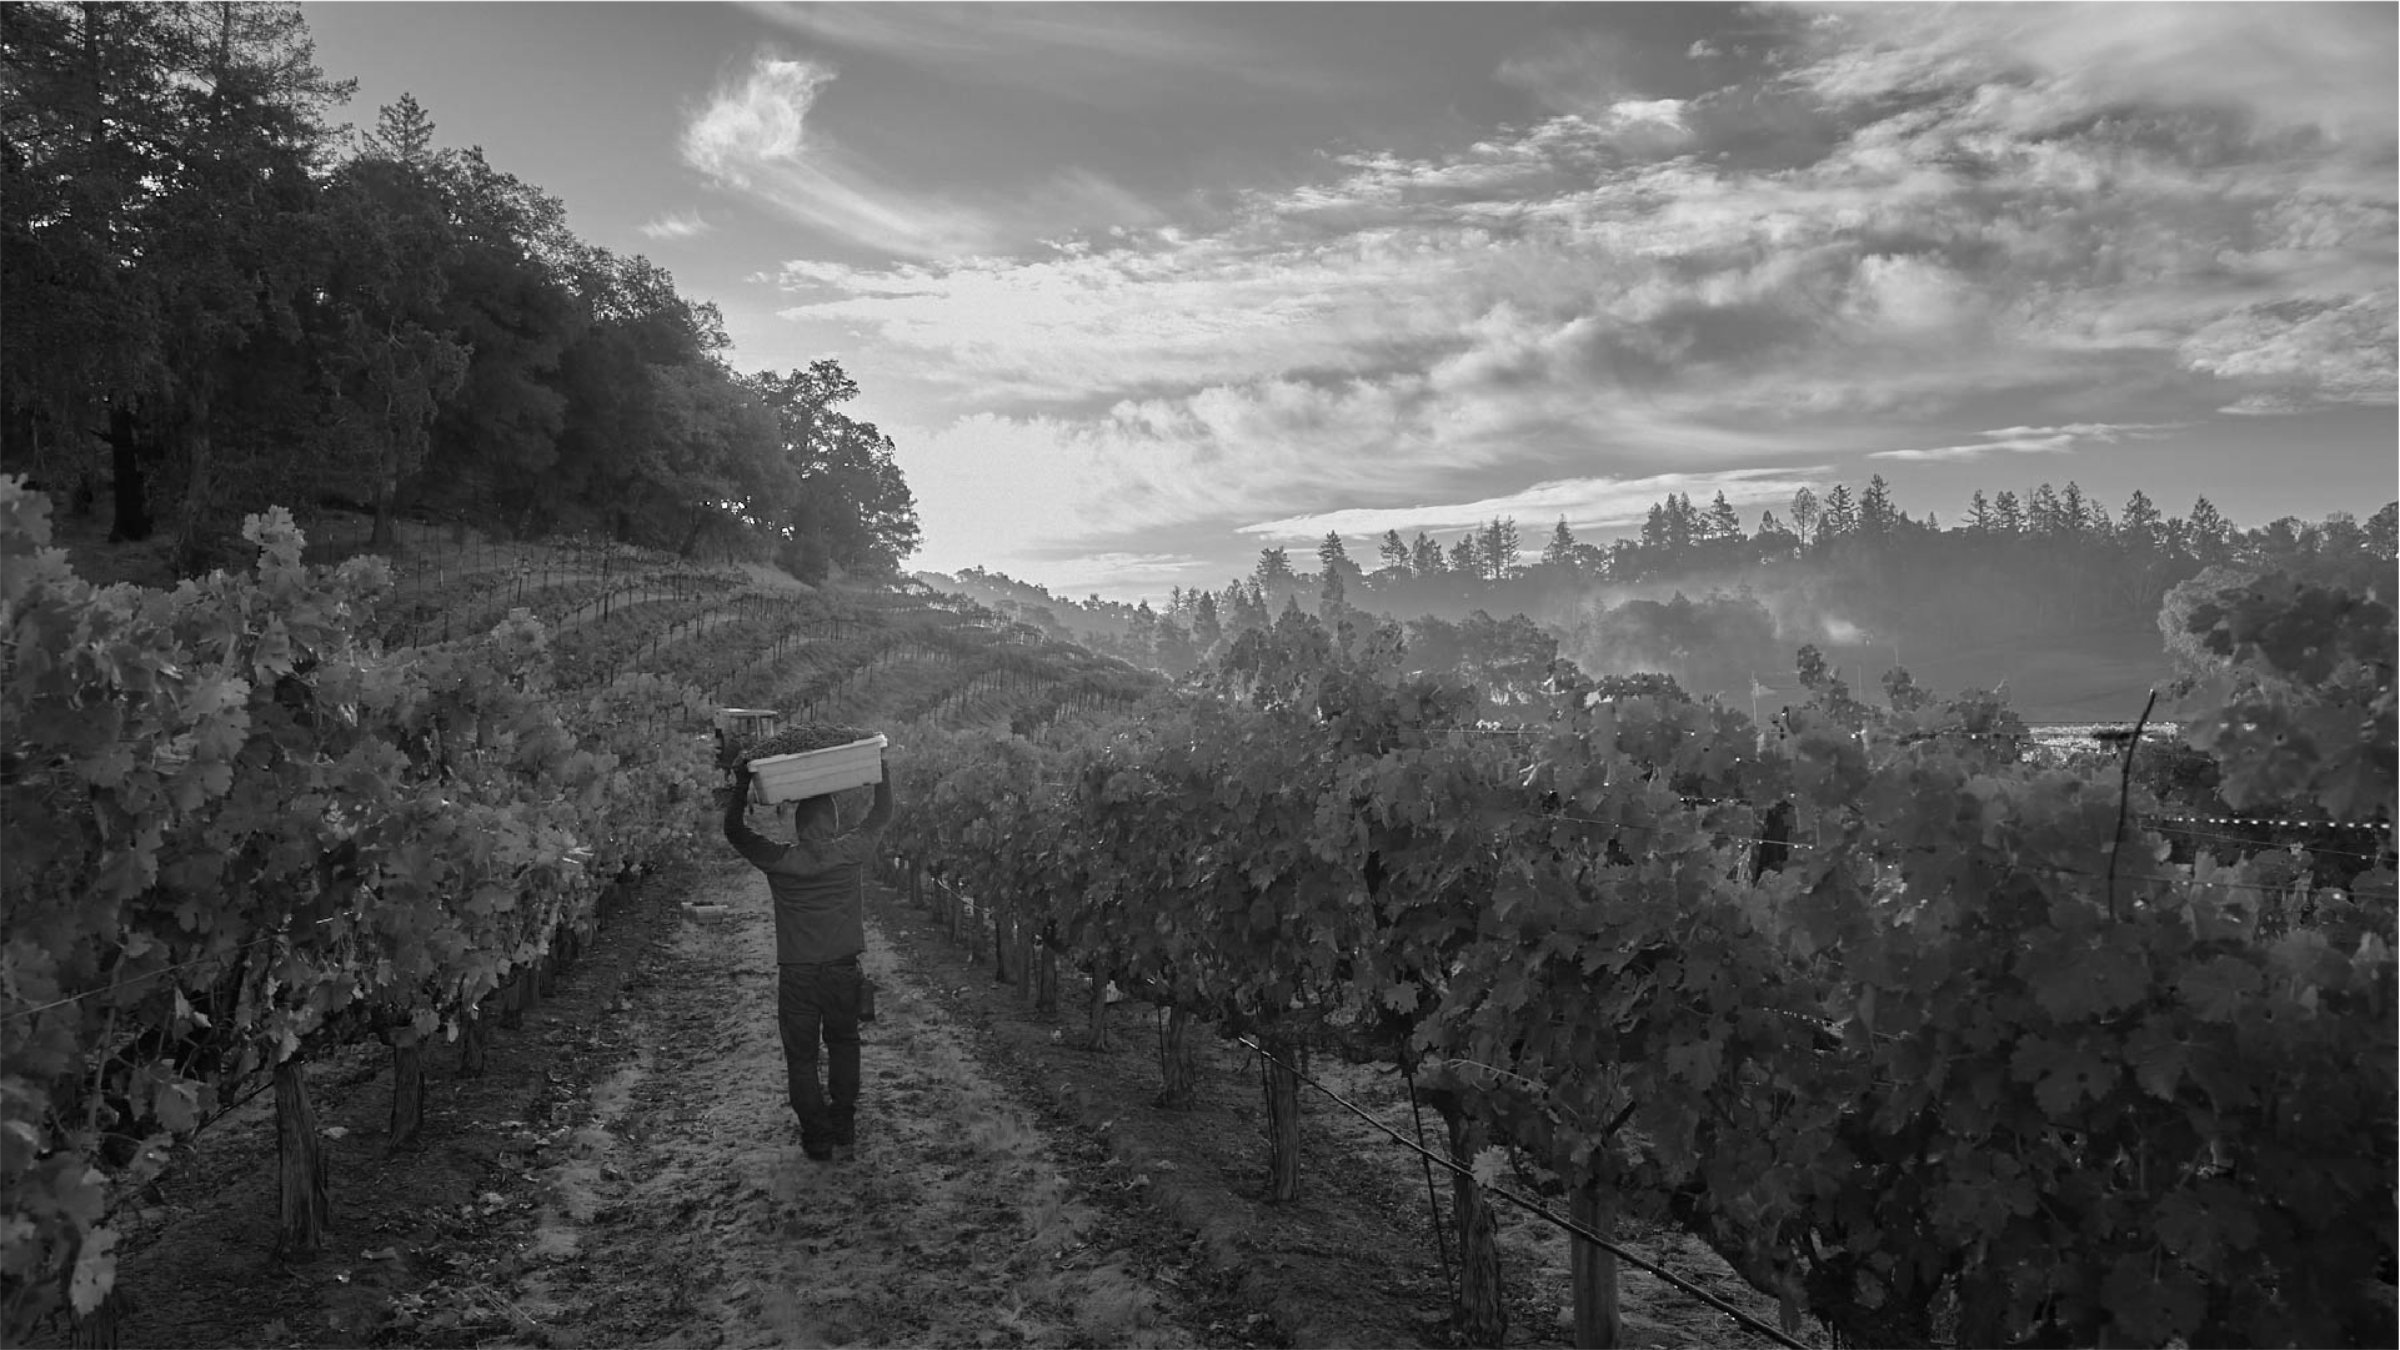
x,y
2380,826
2189,833
116,985
1744,1320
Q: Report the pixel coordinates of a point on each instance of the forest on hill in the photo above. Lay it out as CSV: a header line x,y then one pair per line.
x,y
220,300
2052,588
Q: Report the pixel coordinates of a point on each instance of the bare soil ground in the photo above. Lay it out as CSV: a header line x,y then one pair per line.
x,y
627,1173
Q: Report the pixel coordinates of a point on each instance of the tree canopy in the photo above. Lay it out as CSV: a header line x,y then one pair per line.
x,y
219,302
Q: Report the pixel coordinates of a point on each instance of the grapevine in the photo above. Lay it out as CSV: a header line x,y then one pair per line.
x,y
236,822
1845,996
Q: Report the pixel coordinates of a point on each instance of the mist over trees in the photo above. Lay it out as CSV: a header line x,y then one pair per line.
x,y
217,301
1696,596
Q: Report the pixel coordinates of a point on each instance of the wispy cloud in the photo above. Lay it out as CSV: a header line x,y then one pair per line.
x,y
2262,405
1120,572
2057,440
753,135
1093,54
759,134
680,225
2329,68
1584,503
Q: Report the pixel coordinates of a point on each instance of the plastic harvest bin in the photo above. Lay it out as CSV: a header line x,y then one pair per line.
x,y
785,778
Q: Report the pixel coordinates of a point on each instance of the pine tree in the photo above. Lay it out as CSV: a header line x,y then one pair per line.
x,y
1331,556
1657,531
403,134
1273,565
2074,513
1426,558
1560,551
1876,515
2043,514
1207,629
1498,549
1804,515
1979,513
1332,597
1722,522
1841,514
1395,554
2208,530
1683,522
2007,516
1462,556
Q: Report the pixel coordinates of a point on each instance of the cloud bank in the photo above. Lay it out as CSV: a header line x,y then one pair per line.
x,y
1886,217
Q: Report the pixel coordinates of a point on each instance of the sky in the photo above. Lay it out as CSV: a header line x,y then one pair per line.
x,y
1139,290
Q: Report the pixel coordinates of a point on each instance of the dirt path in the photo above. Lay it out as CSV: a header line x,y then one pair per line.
x,y
684,1213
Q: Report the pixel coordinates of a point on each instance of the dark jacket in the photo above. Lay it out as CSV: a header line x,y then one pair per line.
x,y
818,885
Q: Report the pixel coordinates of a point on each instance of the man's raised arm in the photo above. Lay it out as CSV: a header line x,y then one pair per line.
x,y
880,814
757,848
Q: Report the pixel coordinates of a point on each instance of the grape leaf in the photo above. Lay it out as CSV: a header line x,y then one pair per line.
x,y
2160,1053
1489,1166
2216,988
2062,1075
2073,982
2152,1308
95,1271
1697,1061
2200,1223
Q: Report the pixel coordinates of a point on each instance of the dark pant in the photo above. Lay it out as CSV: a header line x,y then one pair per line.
x,y
813,1000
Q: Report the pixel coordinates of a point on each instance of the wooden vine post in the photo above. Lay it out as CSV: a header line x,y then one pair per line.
x,y
1283,1116
1482,1317
408,1086
513,998
1045,975
1599,1323
1098,1011
301,1170
1029,975
1178,1067
474,1039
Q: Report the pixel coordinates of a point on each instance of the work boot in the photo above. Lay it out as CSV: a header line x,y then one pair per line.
x,y
814,1144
